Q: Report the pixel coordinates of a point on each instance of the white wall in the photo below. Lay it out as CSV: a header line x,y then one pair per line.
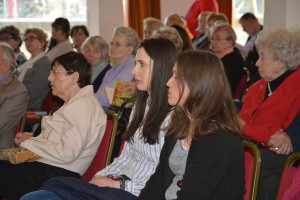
x,y
284,14
174,6
103,16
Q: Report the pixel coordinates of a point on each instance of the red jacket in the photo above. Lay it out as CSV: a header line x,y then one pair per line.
x,y
196,8
263,119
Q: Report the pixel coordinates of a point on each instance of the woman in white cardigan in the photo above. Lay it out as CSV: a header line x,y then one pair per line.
x,y
69,139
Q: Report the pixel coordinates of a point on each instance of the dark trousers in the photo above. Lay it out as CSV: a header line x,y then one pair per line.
x,y
75,189
270,174
17,180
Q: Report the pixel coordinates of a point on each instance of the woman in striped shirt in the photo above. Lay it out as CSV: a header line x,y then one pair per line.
x,y
144,137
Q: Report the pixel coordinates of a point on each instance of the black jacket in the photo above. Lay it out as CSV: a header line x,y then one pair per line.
x,y
214,170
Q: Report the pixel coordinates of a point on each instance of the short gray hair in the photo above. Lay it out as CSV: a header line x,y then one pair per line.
x,y
132,36
98,43
9,55
282,44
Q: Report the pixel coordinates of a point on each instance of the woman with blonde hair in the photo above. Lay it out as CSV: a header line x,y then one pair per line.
x,y
34,72
150,24
223,40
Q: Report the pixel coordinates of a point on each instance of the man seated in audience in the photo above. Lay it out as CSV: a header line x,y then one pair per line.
x,y
252,27
13,94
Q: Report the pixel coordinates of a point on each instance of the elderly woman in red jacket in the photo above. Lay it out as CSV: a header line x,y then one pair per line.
x,y
270,114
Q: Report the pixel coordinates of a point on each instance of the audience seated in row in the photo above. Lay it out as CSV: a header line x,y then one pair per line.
x,y
144,136
188,172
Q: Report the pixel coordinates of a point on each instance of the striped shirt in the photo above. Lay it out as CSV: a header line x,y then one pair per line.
x,y
138,160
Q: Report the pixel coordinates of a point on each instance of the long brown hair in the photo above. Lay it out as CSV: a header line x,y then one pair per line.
x,y
209,105
163,53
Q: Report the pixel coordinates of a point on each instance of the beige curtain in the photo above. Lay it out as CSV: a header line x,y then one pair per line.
x,y
137,10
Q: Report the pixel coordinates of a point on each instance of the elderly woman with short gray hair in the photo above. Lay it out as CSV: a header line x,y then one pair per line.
x,y
122,50
95,50
270,115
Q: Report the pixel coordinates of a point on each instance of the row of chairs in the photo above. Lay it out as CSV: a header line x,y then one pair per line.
x,y
104,154
252,165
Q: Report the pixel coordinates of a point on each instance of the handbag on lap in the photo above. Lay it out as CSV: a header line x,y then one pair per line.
x,y
18,155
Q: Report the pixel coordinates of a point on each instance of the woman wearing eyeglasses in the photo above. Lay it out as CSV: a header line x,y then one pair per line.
x,y
68,140
34,72
223,40
122,50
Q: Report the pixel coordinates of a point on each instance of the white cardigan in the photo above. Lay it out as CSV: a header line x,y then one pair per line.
x,y
71,137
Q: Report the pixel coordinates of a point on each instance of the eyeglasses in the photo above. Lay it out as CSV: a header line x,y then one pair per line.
x,y
117,44
55,72
218,39
6,38
30,39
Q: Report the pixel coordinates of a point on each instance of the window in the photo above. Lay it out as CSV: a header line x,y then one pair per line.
x,y
41,13
239,8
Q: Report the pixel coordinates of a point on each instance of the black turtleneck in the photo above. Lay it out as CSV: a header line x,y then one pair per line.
x,y
277,82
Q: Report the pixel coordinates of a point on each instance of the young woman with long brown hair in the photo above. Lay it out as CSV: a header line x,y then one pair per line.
x,y
203,156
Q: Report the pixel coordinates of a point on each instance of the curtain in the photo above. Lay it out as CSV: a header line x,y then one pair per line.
x,y
225,6
137,10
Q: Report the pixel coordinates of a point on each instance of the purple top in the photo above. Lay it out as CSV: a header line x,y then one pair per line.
x,y
117,72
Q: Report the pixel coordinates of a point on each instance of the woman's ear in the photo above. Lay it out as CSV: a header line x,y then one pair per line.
x,y
131,49
75,77
43,44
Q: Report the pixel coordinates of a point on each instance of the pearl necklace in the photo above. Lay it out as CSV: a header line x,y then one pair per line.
x,y
270,91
